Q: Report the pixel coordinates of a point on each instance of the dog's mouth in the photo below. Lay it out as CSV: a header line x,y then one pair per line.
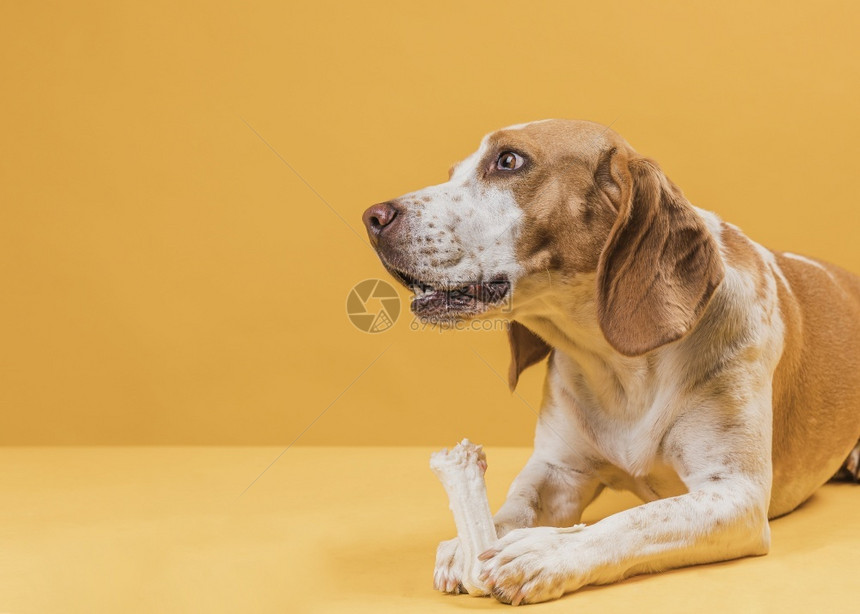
x,y
453,300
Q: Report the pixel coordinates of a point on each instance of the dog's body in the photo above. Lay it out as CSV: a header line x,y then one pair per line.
x,y
717,380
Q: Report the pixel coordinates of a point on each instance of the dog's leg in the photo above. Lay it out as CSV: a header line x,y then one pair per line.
x,y
559,479
710,524
548,491
726,466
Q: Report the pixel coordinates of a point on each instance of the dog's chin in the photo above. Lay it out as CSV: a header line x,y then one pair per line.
x,y
451,301
461,303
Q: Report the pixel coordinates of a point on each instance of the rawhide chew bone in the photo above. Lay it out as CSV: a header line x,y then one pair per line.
x,y
461,471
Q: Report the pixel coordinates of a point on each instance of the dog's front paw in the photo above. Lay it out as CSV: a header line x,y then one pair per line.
x,y
532,565
449,567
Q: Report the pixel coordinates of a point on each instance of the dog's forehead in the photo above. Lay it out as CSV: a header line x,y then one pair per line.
x,y
543,139
558,136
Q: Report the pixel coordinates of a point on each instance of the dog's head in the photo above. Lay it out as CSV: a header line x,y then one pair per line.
x,y
553,202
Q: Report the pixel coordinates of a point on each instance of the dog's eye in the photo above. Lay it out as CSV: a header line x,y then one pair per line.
x,y
509,161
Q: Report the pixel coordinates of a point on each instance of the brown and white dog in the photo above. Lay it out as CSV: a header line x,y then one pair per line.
x,y
714,378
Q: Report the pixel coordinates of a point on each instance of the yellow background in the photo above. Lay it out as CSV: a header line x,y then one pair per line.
x,y
168,278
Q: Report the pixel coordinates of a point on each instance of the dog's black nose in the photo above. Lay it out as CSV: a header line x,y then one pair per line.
x,y
378,217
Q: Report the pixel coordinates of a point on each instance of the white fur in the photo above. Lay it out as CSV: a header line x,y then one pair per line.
x,y
526,124
474,225
810,262
800,258
772,264
714,224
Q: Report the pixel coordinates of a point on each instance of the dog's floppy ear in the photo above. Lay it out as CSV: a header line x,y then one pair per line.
x,y
660,265
526,349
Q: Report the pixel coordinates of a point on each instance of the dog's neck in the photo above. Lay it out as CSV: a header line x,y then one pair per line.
x,y
564,314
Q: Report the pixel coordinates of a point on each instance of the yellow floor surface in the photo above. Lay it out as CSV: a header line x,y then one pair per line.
x,y
155,529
